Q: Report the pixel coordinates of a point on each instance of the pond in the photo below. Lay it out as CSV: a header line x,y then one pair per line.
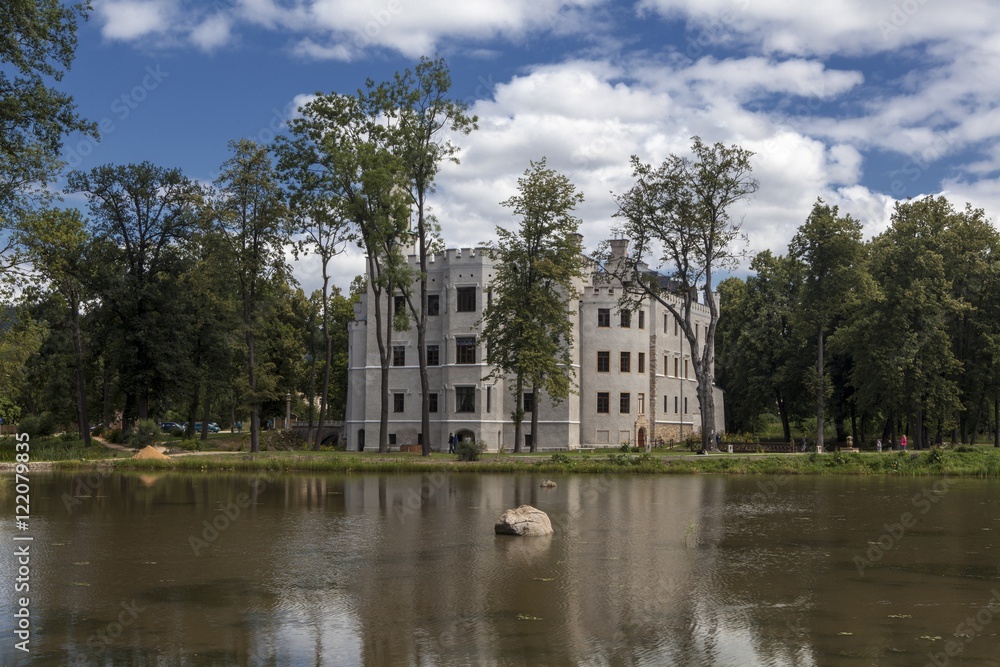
x,y
214,569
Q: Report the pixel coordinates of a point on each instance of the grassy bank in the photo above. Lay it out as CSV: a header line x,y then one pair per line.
x,y
965,462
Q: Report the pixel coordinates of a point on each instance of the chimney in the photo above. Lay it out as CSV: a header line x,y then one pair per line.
x,y
619,248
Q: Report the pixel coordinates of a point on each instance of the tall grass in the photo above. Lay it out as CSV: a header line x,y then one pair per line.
x,y
969,462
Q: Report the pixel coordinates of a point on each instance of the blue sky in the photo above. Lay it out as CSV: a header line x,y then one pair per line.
x,y
861,102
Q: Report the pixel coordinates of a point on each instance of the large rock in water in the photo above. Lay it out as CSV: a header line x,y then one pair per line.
x,y
525,520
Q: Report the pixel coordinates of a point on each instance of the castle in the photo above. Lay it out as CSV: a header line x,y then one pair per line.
x,y
634,377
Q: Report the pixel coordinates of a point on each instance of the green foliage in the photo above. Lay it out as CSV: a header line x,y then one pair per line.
x,y
146,432
528,326
38,425
281,440
38,45
562,459
467,450
677,219
115,436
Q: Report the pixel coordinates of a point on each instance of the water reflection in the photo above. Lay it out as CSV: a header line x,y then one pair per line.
x,y
405,570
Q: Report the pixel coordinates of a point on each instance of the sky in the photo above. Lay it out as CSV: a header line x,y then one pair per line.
x,y
860,102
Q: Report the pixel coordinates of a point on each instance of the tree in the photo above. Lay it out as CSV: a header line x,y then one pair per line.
x,y
678,215
319,216
344,143
757,346
528,329
252,216
38,44
831,253
420,113
140,213
906,360
56,242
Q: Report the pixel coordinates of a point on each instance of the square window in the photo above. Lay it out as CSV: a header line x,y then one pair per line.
x,y
604,317
465,399
398,355
624,403
397,402
603,403
433,304
392,438
641,362
432,402
466,299
625,362
626,319
433,355
465,350
642,319
529,401
603,361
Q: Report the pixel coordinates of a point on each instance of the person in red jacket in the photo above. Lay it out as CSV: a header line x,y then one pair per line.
x,y
902,442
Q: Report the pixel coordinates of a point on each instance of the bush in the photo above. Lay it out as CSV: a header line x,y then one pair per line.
x,y
97,430
37,426
114,436
280,440
469,451
562,459
146,432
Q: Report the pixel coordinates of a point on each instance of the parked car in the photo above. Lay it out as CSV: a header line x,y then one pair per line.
x,y
212,427
170,426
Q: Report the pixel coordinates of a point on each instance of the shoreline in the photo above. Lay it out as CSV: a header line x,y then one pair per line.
x,y
982,462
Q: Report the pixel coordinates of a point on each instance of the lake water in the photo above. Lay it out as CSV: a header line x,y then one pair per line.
x,y
405,570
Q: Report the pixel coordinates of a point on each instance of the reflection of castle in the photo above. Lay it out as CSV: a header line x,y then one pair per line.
x,y
634,376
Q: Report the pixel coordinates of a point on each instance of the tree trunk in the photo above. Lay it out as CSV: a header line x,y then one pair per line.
x,y
819,394
518,413
252,383
786,427
206,411
328,347
996,422
421,318
385,351
106,396
192,412
534,419
83,423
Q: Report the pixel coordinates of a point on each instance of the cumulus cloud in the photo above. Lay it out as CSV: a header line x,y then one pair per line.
x,y
129,20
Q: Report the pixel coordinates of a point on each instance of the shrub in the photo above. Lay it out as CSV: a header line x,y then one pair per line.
x,y
97,430
469,451
146,432
280,440
37,426
114,436
562,459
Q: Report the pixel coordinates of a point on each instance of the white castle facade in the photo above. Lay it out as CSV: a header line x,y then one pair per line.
x,y
634,377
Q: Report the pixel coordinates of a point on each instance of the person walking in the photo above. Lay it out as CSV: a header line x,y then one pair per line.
x,y
878,445
451,443
902,442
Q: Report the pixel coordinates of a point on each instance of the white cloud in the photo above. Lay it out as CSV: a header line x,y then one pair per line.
x,y
133,19
212,33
